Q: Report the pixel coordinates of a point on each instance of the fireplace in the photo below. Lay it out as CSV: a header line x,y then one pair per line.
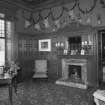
x,y
74,73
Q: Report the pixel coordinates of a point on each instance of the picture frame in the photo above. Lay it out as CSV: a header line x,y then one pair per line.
x,y
1,69
45,45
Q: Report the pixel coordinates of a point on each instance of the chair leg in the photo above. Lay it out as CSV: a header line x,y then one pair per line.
x,y
15,87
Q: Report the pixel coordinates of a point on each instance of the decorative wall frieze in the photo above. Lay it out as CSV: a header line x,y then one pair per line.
x,y
55,17
87,10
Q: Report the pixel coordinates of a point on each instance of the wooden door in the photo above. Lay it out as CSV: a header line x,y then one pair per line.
x,y
101,55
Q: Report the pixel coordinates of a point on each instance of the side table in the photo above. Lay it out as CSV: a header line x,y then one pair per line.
x,y
8,81
99,97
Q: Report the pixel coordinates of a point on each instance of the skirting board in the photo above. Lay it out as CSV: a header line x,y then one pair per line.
x,y
39,76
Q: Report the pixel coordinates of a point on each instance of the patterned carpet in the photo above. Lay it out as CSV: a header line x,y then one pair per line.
x,y
44,92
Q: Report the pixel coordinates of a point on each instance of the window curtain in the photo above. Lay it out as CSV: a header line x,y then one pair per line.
x,y
9,41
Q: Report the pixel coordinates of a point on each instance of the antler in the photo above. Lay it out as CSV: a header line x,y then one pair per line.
x,y
87,10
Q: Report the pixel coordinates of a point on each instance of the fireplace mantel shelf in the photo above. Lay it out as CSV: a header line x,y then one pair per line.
x,y
75,60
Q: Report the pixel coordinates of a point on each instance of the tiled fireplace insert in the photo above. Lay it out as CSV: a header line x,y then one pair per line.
x,y
74,73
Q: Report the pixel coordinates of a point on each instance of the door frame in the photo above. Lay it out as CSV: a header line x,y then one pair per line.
x,y
100,66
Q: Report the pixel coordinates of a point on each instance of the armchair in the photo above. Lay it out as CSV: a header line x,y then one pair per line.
x,y
40,69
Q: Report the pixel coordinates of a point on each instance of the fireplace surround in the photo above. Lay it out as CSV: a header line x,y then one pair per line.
x,y
79,65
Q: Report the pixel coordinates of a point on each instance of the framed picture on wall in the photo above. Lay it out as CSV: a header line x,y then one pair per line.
x,y
45,45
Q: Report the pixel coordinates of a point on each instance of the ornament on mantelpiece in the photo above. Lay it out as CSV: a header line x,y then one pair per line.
x,y
37,26
46,23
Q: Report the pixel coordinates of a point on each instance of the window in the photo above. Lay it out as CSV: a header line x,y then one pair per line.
x,y
2,15
4,34
2,42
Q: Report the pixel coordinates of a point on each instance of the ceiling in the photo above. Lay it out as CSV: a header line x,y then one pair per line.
x,y
34,4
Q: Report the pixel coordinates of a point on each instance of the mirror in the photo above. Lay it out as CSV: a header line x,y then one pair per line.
x,y
74,45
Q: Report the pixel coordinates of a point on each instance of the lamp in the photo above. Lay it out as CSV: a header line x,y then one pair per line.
x,y
59,44
62,48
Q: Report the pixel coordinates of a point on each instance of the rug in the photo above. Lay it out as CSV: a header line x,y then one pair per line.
x,y
44,92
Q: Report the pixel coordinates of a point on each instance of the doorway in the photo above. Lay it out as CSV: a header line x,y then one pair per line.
x,y
101,55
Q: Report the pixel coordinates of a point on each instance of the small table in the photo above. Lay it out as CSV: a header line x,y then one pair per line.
x,y
8,80
99,97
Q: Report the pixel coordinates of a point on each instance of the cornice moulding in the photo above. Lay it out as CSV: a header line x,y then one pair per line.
x,y
36,7
52,4
15,5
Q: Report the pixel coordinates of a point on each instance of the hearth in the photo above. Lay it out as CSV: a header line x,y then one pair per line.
x,y
74,73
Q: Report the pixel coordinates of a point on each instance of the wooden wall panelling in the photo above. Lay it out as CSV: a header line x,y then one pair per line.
x,y
27,47
54,57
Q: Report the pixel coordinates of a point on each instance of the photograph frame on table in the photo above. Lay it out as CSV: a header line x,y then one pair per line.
x,y
1,69
45,45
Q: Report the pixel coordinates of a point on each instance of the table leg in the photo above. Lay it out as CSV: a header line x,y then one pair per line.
x,y
96,101
10,93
